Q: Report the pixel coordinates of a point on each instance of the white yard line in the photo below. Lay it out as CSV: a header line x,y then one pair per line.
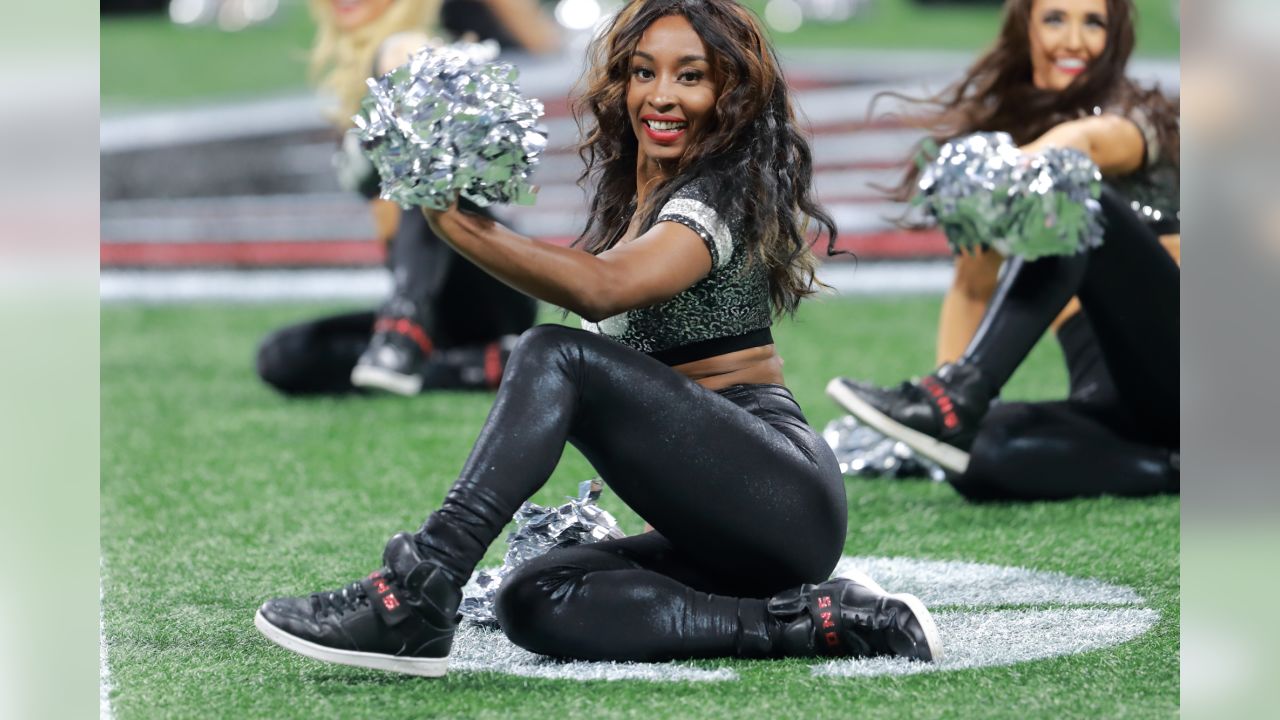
x,y
104,668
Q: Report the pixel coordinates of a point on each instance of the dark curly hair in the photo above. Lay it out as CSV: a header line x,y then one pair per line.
x,y
752,157
997,94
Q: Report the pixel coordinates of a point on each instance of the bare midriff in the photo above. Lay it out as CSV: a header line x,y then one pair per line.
x,y
743,367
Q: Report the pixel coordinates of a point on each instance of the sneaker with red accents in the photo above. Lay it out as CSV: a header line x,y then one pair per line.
x,y
395,359
937,416
852,616
399,619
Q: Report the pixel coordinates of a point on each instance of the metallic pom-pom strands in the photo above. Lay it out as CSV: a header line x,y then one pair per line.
x,y
864,452
451,122
539,529
983,191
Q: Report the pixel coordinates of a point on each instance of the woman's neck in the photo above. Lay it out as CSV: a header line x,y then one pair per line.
x,y
649,173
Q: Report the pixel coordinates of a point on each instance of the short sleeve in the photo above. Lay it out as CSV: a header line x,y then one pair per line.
x,y
690,207
1150,137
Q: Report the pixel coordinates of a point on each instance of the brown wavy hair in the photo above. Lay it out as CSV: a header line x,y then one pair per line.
x,y
997,94
752,157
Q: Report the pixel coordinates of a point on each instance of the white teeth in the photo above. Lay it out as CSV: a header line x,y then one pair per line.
x,y
1071,64
665,124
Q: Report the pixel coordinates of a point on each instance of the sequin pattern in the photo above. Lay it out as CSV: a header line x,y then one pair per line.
x,y
1154,189
733,299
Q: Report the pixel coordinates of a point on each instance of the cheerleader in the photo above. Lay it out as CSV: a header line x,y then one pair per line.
x,y
673,391
1055,78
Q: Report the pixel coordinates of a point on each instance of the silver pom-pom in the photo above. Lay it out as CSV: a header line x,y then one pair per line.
x,y
538,530
864,452
450,122
984,192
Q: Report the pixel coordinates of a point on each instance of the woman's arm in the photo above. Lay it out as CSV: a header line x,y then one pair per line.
x,y
527,24
654,267
1114,143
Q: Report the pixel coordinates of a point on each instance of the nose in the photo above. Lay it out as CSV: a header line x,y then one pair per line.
x,y
1075,37
663,96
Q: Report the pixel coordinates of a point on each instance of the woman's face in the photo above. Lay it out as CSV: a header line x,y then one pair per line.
x,y
351,15
1065,36
671,93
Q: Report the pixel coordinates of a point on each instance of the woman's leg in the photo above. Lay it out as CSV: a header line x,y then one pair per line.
x,y
315,357
730,489
638,598
1128,288
478,320
757,500
1060,450
440,301
973,282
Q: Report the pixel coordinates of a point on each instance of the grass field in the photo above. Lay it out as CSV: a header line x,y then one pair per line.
x,y
217,494
148,60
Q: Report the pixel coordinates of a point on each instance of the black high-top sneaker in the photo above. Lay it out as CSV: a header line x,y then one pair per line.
x,y
937,416
400,619
395,359
474,367
852,616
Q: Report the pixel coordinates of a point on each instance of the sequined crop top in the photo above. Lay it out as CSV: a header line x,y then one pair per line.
x,y
1153,189
725,311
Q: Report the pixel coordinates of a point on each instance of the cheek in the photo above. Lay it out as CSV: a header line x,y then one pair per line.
x,y
1096,42
705,104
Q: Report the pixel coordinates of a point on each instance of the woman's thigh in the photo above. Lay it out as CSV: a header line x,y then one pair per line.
x,y
732,489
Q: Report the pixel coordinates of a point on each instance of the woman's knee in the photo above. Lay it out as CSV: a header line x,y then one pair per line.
x,y
273,361
525,605
546,346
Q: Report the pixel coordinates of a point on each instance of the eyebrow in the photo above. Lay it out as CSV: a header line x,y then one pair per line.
x,y
681,61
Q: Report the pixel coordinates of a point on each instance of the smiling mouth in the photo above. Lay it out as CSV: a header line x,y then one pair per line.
x,y
666,126
1071,66
666,130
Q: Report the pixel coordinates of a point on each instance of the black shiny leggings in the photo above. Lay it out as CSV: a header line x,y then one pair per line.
x,y
1117,433
457,304
746,500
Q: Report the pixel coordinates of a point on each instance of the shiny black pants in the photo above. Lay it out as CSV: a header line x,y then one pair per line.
x,y
746,500
1118,432
457,304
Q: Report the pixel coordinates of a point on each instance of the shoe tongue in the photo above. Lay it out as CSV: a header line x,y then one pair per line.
x,y
401,555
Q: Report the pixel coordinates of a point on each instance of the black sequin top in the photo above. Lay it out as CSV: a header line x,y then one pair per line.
x,y
1153,190
727,310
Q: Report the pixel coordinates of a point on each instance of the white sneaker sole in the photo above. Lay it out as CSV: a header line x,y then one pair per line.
x,y
372,377
931,636
951,458
422,667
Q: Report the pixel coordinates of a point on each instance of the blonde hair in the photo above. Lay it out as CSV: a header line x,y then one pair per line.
x,y
342,61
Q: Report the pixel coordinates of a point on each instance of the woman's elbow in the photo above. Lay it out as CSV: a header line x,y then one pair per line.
x,y
596,301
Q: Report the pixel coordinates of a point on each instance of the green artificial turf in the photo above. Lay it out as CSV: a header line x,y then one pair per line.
x,y
217,494
147,60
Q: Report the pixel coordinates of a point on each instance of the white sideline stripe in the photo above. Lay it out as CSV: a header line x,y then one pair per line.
x,y
104,669
374,284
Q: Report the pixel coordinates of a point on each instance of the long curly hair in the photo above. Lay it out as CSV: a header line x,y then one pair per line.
x,y
997,94
342,61
751,156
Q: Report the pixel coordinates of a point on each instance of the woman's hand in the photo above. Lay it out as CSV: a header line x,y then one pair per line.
x,y
435,218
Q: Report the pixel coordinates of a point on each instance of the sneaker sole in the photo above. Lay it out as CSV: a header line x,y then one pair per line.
x,y
931,635
422,667
372,377
951,458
